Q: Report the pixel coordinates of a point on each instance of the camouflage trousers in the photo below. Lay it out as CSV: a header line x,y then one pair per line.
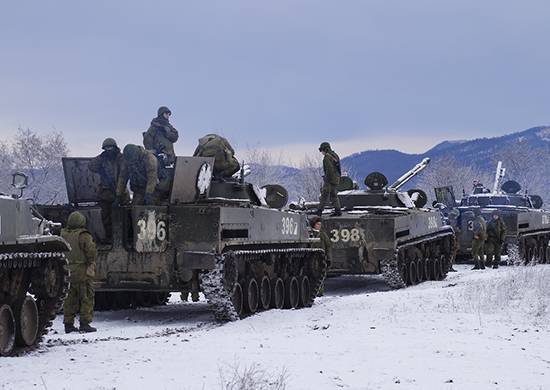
x,y
478,251
80,300
493,250
329,192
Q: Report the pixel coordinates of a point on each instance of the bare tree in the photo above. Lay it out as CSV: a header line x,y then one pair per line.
x,y
448,171
40,158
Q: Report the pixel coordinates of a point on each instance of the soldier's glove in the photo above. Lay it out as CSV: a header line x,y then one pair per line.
x,y
148,199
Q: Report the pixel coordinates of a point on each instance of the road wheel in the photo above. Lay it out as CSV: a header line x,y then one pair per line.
x,y
26,320
7,330
305,292
252,295
292,293
278,294
265,293
237,299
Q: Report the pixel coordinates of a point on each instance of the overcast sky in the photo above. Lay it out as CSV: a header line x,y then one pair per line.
x,y
277,74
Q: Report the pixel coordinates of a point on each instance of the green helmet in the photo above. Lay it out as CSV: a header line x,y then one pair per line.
x,y
162,110
109,142
132,152
324,147
76,220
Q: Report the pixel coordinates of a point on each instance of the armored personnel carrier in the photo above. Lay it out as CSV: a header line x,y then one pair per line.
x,y
34,274
383,230
527,224
219,235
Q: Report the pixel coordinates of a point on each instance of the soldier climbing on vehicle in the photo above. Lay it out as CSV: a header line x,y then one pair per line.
x,y
160,139
479,229
82,261
108,166
225,163
140,168
324,243
331,179
496,233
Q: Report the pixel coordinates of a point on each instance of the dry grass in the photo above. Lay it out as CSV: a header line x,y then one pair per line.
x,y
252,377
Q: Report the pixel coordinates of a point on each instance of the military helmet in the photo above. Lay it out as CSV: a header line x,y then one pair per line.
x,y
76,220
132,152
324,147
162,110
109,142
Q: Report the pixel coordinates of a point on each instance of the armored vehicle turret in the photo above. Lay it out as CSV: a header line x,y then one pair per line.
x,y
527,224
33,273
216,235
387,231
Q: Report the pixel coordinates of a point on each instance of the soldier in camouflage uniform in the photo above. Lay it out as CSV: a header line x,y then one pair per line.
x,y
331,179
108,166
159,139
479,229
324,243
161,136
496,233
82,258
225,163
140,168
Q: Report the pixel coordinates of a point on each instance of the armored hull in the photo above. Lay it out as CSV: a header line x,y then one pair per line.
x,y
405,245
34,277
219,237
527,228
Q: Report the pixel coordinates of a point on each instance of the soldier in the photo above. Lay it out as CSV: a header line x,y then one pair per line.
x,y
496,233
318,232
161,136
82,259
140,168
480,235
108,166
454,221
225,163
331,179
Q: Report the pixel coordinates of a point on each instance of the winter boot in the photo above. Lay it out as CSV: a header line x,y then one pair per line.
x,y
336,213
451,269
70,328
495,265
476,265
482,265
195,296
319,212
87,328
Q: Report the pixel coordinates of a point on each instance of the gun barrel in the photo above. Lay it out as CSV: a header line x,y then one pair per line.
x,y
498,177
410,174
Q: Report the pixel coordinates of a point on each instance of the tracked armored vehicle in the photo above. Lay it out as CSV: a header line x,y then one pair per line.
x,y
383,230
34,275
217,235
527,224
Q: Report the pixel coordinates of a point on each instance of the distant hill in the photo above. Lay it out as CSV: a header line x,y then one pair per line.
x,y
478,152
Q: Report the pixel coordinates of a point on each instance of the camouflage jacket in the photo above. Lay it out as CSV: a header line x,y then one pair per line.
x,y
331,168
143,175
160,138
480,228
325,243
496,230
108,170
82,257
213,145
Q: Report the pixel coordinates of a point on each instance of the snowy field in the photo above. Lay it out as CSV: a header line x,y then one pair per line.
x,y
475,330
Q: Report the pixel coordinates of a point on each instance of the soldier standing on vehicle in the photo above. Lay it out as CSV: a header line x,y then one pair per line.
x,y
159,139
331,179
324,243
480,235
161,136
108,166
496,233
140,168
82,258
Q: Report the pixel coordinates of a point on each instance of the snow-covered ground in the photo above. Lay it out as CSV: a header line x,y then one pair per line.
x,y
475,330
